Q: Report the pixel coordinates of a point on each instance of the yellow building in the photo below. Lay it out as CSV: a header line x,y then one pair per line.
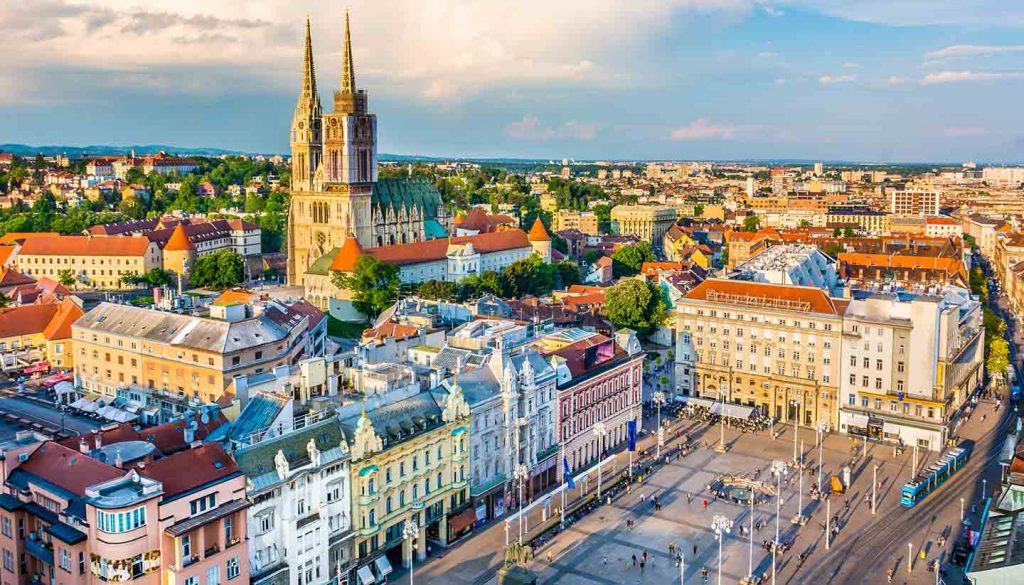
x,y
33,333
584,221
121,346
649,222
410,463
95,262
773,348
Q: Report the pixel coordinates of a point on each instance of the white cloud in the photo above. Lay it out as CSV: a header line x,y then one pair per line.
x,y
767,55
442,50
966,76
849,65
973,51
771,11
705,129
836,79
898,80
530,128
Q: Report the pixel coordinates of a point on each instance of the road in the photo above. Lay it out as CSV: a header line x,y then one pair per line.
x,y
50,418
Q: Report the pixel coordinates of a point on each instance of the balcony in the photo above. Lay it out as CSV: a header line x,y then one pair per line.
x,y
39,549
211,550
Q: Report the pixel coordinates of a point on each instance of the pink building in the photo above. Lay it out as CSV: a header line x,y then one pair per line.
x,y
124,512
600,379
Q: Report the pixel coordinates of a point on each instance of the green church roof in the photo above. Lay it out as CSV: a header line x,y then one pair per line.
x,y
407,193
322,265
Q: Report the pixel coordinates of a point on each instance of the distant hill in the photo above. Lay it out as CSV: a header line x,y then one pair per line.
x,y
26,150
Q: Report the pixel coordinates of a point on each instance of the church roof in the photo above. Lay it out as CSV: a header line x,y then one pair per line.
x,y
408,193
179,240
538,233
476,219
322,265
345,260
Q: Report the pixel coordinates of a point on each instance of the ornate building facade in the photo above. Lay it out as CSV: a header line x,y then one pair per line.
x,y
335,190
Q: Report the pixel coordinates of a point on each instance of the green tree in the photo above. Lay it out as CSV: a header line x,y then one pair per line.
x,y
559,243
438,290
636,304
373,284
66,277
529,276
849,233
220,270
4,300
998,358
751,223
568,274
627,260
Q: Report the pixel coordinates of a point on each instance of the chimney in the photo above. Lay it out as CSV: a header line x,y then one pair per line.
x,y
190,435
83,446
118,460
99,439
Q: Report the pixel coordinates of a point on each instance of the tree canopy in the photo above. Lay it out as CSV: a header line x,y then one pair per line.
x,y
751,223
219,270
627,260
637,304
373,284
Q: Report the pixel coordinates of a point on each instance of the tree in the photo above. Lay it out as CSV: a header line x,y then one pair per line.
x,y
373,284
849,233
66,277
559,243
529,276
627,260
220,270
4,300
751,223
998,359
438,290
636,304
568,274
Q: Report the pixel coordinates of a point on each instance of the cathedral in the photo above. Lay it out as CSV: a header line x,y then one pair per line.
x,y
335,190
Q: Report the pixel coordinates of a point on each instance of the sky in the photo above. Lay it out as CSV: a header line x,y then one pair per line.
x,y
859,80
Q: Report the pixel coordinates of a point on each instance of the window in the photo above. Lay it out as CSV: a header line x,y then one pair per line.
x,y
5,527
899,367
229,530
300,507
65,560
867,362
200,505
233,568
853,400
265,521
878,383
117,522
213,575
864,381
853,379
186,546
878,365
8,560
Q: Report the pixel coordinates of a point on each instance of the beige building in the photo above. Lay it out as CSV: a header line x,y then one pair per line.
x,y
871,221
919,202
649,222
122,346
95,262
773,348
584,221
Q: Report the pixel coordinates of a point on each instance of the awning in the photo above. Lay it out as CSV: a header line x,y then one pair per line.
x,y
64,388
892,428
89,406
856,419
462,521
697,401
383,566
365,575
732,410
81,403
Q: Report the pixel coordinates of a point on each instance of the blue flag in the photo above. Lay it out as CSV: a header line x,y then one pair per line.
x,y
631,434
567,473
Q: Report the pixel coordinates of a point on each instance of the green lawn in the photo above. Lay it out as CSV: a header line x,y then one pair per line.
x,y
338,328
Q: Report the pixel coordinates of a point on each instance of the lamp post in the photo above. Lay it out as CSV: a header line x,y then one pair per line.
x,y
984,489
828,523
721,421
659,399
874,486
682,569
800,519
778,468
721,525
409,532
961,510
796,424
822,427
910,557
750,558
521,474
600,431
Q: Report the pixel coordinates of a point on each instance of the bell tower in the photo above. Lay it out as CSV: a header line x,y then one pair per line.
x,y
306,139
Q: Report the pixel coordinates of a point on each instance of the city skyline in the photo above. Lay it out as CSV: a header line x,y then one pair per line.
x,y
720,79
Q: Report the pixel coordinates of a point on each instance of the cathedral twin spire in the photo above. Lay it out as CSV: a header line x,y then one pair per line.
x,y
345,99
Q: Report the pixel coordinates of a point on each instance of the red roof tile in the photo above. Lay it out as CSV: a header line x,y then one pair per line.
x,y
187,470
26,320
345,259
433,250
807,298
67,468
59,326
538,233
179,240
12,237
85,246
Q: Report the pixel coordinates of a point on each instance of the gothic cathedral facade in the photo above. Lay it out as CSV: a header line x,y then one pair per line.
x,y
335,190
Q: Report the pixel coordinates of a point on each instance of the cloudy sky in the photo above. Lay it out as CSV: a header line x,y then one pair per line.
x,y
872,80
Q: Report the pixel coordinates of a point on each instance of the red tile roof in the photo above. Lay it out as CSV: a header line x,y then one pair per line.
x,y
85,246
6,253
11,277
67,468
433,250
806,298
940,221
25,320
190,469
179,240
476,219
59,326
948,265
345,260
168,438
12,237
538,233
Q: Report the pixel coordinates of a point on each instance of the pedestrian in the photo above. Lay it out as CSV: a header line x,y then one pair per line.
x,y
604,560
634,559
645,556
641,567
705,504
694,550
704,573
643,498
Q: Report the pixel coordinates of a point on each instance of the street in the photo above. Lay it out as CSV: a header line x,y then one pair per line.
x,y
50,419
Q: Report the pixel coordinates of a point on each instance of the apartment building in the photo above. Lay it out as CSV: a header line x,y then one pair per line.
x,y
94,262
918,202
207,235
33,333
122,346
868,220
124,512
300,529
910,361
770,347
648,222
584,221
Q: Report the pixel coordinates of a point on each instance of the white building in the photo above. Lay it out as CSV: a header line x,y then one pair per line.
x,y
909,364
299,522
1003,176
919,202
791,264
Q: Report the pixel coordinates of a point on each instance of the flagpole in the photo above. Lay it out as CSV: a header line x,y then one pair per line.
x,y
564,483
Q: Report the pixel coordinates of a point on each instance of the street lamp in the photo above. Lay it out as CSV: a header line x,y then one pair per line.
x,y
659,399
796,424
600,431
409,532
822,427
721,421
750,559
721,525
800,519
874,486
778,469
521,473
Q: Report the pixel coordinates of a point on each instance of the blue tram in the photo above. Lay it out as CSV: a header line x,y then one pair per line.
x,y
935,475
